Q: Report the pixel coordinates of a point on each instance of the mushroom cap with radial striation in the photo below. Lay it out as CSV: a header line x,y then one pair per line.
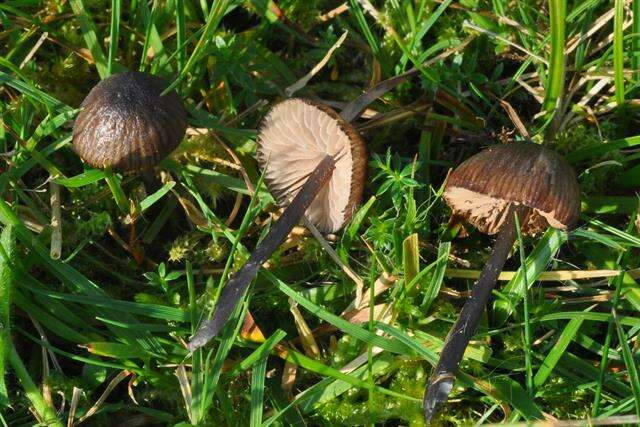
x,y
125,124
293,138
524,174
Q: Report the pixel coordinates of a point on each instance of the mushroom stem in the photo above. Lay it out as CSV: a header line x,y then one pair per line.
x,y
116,189
150,181
441,381
237,286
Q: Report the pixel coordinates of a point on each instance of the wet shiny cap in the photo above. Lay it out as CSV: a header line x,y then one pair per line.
x,y
294,137
125,123
528,175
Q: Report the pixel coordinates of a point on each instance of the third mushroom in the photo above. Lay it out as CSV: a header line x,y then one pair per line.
x,y
315,162
489,190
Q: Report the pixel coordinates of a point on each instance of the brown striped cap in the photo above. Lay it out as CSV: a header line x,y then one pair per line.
x,y
126,125
293,138
483,186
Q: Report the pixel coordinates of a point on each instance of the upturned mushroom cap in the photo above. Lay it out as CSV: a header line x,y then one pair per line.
x,y
293,138
126,125
540,180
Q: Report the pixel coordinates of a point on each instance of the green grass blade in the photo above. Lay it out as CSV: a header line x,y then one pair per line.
x,y
433,289
340,323
180,34
525,307
556,72
549,363
635,41
90,37
229,334
85,178
618,51
114,33
50,322
512,293
262,351
629,361
319,368
44,411
219,9
257,391
34,93
8,249
151,199
401,336
510,391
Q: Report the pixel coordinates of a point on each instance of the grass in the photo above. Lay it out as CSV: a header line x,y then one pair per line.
x,y
137,274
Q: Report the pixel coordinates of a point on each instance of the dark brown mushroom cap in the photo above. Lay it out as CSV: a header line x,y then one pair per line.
x,y
126,125
483,186
293,138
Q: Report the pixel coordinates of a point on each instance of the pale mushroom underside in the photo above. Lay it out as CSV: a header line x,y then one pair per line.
x,y
487,213
294,137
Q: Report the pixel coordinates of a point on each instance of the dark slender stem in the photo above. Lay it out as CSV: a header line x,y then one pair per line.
x,y
358,105
237,286
151,181
441,381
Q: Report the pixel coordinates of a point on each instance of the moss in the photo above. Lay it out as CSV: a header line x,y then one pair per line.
x,y
357,407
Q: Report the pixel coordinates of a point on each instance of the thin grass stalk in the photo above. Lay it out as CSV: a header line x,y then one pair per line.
x,y
622,258
372,320
525,303
147,39
630,363
44,411
618,51
196,357
258,374
113,34
181,34
213,20
7,251
56,221
556,73
635,41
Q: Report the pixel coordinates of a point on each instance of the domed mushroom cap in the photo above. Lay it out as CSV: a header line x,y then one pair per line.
x,y
483,186
293,138
126,125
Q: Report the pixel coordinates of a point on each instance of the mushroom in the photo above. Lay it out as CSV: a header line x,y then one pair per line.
x,y
314,162
127,125
488,190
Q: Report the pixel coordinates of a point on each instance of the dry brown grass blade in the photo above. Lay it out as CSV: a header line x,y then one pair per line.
x,y
56,221
599,23
75,398
185,388
515,119
307,339
289,91
193,213
105,394
380,313
250,330
383,282
333,12
399,114
493,35
34,49
289,378
549,276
